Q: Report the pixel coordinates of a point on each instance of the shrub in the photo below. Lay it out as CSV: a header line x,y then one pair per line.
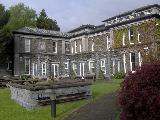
x,y
139,97
24,77
118,75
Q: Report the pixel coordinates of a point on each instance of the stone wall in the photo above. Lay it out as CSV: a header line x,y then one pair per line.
x,y
29,98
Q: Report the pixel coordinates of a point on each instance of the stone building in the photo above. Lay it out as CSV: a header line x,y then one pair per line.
x,y
120,44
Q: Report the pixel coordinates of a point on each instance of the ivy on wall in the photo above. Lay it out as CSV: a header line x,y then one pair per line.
x,y
149,32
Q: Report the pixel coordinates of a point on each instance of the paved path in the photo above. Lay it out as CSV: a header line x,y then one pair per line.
x,y
104,108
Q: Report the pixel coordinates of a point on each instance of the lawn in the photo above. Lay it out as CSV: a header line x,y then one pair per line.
x,y
9,110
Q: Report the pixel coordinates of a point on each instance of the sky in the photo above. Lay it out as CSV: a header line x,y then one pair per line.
x,y
73,13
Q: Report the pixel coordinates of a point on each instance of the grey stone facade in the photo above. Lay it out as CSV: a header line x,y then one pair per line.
x,y
85,50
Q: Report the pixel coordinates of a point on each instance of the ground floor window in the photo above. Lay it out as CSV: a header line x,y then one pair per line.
x,y
113,66
34,69
124,62
140,58
75,68
132,61
119,66
91,67
66,68
44,69
103,67
27,66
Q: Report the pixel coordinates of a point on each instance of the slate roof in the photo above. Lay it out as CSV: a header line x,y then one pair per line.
x,y
82,27
131,11
42,32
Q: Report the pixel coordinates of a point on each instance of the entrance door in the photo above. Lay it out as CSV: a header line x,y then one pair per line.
x,y
82,69
55,70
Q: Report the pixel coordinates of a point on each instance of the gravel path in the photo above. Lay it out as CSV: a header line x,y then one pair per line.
x,y
104,108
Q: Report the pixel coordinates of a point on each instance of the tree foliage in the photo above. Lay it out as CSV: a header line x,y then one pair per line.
x,y
139,97
43,22
21,16
4,16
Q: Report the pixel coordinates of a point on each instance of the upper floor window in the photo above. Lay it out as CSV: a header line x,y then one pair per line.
x,y
55,47
72,49
131,38
80,48
92,47
27,45
67,46
123,39
108,43
42,45
139,34
75,44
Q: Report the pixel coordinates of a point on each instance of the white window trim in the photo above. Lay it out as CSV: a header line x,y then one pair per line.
x,y
33,72
55,48
130,38
93,46
75,45
139,37
72,49
29,65
140,59
103,66
108,42
45,69
123,39
28,47
119,66
90,66
113,66
82,69
80,48
124,62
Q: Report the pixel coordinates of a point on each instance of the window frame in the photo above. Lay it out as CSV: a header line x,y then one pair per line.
x,y
29,66
130,36
55,47
44,70
27,45
103,65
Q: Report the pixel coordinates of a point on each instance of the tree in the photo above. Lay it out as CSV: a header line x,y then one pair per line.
x,y
139,97
21,16
4,16
43,22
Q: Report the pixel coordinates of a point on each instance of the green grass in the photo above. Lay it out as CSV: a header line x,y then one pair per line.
x,y
9,110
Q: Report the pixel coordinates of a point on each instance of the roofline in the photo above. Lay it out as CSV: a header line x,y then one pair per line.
x,y
128,12
43,35
119,24
79,28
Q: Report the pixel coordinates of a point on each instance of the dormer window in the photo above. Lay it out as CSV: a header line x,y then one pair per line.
x,y
131,38
55,47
